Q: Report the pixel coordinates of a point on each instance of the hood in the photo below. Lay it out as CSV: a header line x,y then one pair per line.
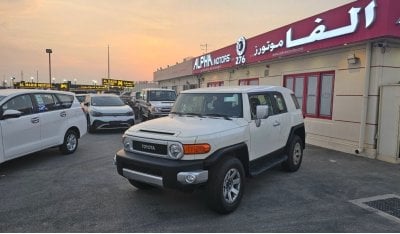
x,y
185,126
111,109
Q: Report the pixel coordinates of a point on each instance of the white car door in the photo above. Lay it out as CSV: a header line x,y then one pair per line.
x,y
264,139
21,135
52,117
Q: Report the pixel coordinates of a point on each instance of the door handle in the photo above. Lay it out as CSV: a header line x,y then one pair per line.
x,y
276,124
35,120
63,114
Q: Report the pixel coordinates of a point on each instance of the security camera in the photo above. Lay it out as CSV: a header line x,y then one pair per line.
x,y
382,44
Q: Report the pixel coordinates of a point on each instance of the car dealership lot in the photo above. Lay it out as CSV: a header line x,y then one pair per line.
x,y
51,192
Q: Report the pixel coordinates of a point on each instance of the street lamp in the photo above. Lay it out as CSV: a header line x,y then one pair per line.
x,y
49,51
12,81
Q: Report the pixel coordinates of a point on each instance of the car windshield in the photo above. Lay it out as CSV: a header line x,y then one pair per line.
x,y
107,101
226,105
1,97
80,98
162,95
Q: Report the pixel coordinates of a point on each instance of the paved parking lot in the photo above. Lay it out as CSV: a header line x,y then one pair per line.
x,y
50,192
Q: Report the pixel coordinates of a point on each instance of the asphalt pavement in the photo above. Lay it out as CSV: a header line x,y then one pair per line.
x,y
50,192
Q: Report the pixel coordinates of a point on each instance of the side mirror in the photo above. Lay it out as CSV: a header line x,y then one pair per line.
x,y
262,111
11,114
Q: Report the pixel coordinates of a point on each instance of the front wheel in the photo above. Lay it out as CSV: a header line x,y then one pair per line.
x,y
295,155
226,186
70,143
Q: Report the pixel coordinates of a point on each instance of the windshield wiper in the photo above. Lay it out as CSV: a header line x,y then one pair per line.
x,y
193,114
176,113
184,113
219,115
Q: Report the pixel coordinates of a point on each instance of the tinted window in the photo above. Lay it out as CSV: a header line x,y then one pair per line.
x,y
259,99
280,105
46,102
107,101
296,103
65,100
210,104
161,95
21,103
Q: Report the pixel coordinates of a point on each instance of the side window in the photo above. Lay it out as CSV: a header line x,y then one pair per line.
x,y
296,103
279,103
259,99
46,102
65,100
21,103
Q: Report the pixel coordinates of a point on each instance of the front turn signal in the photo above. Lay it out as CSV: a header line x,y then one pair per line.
x,y
196,148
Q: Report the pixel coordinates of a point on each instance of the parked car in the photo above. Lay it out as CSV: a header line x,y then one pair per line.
x,y
215,137
33,120
155,102
80,97
107,111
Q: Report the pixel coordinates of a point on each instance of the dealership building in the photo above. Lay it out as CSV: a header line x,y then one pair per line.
x,y
343,65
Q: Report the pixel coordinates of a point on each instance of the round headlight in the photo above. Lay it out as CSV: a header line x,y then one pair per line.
x,y
175,151
127,143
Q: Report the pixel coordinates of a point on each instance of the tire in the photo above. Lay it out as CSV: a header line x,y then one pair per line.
x,y
70,143
295,155
90,128
140,185
226,187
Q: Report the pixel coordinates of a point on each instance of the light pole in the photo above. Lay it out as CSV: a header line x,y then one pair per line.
x,y
12,81
49,51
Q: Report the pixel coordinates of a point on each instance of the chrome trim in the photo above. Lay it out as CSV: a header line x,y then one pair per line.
x,y
142,177
201,176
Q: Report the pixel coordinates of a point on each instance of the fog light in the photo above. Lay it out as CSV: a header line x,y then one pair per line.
x,y
190,178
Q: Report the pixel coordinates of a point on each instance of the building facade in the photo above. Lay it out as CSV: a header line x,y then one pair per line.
x,y
343,65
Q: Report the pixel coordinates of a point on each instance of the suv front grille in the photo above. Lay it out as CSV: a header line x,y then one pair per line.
x,y
149,147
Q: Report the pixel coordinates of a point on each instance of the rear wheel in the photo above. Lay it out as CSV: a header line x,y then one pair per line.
x,y
226,186
140,185
295,155
70,143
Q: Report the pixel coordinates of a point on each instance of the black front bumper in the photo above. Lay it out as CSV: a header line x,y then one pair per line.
x,y
165,168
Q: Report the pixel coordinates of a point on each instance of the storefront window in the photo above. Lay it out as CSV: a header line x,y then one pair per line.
x,y
326,95
314,91
253,81
215,84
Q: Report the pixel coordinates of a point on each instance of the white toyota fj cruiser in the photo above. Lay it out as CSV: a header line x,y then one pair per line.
x,y
215,137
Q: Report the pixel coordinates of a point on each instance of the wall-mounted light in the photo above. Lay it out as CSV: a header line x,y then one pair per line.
x,y
352,59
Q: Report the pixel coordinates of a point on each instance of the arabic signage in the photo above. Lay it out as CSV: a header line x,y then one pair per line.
x,y
91,87
31,85
355,22
119,83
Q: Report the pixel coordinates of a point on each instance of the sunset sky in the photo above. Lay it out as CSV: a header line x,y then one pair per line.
x,y
143,35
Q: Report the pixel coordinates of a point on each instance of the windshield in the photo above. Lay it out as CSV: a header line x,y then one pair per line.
x,y
162,95
107,101
209,104
1,97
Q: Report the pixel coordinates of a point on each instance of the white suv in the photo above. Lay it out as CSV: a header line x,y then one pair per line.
x,y
33,120
107,111
215,137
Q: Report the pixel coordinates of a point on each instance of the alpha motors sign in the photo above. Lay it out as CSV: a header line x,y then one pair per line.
x,y
352,23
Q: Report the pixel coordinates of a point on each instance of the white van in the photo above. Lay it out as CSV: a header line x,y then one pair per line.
x,y
33,120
